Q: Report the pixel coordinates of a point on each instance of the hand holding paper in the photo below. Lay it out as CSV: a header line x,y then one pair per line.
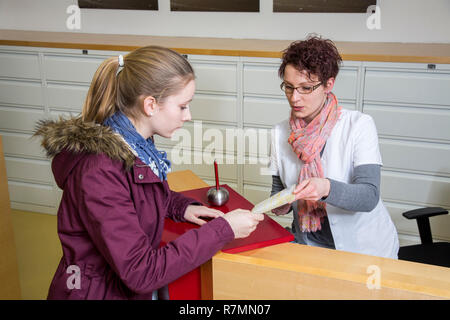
x,y
312,189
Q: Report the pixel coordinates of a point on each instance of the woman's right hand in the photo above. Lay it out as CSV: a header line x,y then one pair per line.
x,y
243,222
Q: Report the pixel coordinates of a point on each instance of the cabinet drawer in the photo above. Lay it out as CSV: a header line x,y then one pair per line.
x,y
262,79
21,93
347,105
29,170
19,120
255,173
256,194
265,111
415,188
346,84
215,77
232,185
69,68
214,108
410,122
32,194
432,158
66,97
418,88
200,165
19,65
402,224
22,146
257,142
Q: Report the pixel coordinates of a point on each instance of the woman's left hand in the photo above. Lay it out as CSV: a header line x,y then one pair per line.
x,y
312,189
193,214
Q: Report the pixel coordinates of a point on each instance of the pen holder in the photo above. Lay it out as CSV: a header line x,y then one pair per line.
x,y
218,197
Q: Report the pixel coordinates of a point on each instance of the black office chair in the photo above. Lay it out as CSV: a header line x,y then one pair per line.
x,y
437,253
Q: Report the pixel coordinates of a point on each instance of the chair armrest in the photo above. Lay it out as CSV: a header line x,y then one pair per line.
x,y
424,212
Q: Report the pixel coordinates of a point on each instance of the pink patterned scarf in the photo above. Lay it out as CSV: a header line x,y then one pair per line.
x,y
307,140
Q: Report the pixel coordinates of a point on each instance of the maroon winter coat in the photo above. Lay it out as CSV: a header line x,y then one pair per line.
x,y
111,218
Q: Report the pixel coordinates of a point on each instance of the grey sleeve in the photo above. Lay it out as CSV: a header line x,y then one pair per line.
x,y
361,194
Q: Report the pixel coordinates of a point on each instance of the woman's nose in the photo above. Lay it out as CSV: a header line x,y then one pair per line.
x,y
187,116
295,96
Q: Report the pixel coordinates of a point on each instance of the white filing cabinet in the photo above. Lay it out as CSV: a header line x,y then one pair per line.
x,y
410,104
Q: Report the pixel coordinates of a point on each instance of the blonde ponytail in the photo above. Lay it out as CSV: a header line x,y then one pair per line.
x,y
148,71
101,98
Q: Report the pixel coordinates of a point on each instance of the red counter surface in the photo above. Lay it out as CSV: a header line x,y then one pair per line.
x,y
268,232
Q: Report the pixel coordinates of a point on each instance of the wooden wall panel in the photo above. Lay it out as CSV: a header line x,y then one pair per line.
x,y
9,272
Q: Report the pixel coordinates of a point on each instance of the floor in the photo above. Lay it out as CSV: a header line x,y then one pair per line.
x,y
38,252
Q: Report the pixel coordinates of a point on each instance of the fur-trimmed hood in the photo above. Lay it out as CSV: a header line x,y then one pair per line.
x,y
77,138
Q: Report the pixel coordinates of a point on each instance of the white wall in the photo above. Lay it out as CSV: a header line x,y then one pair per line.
x,y
401,21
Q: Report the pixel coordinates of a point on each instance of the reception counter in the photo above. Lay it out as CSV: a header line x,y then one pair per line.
x,y
292,271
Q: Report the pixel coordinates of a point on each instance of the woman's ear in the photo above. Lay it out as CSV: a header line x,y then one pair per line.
x,y
149,106
328,87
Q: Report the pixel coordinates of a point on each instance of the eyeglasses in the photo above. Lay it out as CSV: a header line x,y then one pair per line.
x,y
301,89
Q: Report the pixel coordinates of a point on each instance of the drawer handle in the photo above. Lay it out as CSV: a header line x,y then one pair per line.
x,y
431,66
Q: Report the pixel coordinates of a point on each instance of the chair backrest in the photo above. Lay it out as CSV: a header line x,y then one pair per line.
x,y
9,272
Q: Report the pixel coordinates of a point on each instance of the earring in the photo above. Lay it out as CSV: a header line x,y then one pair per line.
x,y
151,114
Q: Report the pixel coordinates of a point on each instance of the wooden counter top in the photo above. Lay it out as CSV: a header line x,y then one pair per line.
x,y
358,51
184,180
294,271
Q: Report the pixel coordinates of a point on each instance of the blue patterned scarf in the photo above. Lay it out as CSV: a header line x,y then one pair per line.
x,y
146,150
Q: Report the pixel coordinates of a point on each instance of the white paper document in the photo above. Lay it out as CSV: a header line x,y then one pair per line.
x,y
275,201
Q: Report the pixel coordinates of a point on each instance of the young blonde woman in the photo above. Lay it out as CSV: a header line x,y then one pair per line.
x,y
115,192
332,154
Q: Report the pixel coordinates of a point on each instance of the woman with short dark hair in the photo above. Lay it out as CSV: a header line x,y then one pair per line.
x,y
333,157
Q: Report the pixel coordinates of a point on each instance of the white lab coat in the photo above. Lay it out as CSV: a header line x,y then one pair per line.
x,y
353,142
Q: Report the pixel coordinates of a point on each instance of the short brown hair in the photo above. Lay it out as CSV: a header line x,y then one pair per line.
x,y
147,71
314,55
